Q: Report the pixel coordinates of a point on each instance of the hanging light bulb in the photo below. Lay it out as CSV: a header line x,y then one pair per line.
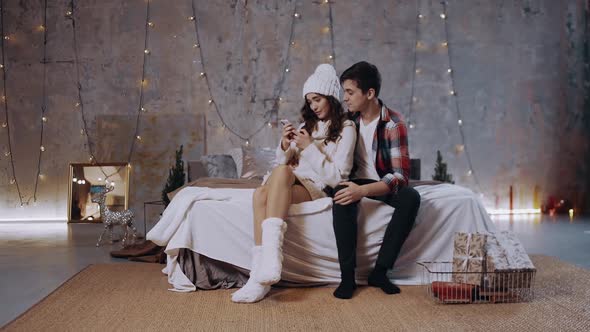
x,y
460,122
449,70
44,119
151,24
297,15
210,101
69,13
146,51
75,180
202,74
412,125
196,45
191,18
42,148
452,92
77,104
287,70
469,172
7,153
420,16
138,137
443,16
444,44
247,142
4,124
418,70
1,66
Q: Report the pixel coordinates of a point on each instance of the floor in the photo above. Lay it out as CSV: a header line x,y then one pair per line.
x,y
35,258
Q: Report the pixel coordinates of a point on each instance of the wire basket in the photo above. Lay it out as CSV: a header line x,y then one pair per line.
x,y
446,286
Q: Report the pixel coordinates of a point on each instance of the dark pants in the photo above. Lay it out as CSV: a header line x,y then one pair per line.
x,y
406,203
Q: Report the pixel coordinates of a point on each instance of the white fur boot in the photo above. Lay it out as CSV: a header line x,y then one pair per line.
x,y
271,265
252,291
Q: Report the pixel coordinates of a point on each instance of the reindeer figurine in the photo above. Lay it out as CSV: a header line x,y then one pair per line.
x,y
113,218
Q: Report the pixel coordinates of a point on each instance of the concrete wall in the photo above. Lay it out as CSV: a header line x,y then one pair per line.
x,y
518,69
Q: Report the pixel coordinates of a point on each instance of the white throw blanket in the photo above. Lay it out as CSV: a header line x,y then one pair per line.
x,y
217,223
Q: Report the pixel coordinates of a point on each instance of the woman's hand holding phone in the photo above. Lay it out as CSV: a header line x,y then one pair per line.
x,y
288,134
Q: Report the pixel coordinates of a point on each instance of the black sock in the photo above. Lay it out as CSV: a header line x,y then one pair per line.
x,y
347,286
378,278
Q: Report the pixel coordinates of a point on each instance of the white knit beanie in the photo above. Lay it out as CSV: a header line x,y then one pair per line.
x,y
323,81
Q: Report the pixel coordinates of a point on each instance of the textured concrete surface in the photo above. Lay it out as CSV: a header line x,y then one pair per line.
x,y
518,69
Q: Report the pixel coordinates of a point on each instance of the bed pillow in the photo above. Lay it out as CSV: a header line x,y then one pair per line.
x,y
220,166
257,162
238,156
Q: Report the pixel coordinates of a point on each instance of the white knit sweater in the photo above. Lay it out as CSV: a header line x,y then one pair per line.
x,y
320,164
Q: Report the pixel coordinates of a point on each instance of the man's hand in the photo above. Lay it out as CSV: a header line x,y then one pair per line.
x,y
349,195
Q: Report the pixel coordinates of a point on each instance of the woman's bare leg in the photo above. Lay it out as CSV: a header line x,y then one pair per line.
x,y
259,205
279,197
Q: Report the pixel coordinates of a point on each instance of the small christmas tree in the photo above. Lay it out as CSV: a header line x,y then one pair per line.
x,y
176,177
440,170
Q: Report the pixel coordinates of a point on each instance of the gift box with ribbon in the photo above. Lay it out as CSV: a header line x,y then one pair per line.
x,y
469,257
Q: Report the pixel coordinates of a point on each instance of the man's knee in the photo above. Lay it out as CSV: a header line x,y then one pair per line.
x,y
409,196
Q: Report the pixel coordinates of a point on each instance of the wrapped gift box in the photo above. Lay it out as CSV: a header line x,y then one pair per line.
x,y
507,265
468,257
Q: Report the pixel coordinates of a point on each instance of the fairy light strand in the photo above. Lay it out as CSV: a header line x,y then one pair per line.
x,y
415,60
71,15
212,99
471,172
43,101
333,54
6,112
136,136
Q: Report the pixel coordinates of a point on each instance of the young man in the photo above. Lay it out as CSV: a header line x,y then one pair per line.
x,y
381,170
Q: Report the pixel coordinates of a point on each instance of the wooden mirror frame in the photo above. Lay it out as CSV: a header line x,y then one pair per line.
x,y
71,184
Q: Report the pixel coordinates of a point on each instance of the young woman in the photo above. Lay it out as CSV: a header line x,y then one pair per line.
x,y
313,158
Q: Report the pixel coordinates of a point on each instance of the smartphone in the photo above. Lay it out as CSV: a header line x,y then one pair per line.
x,y
285,122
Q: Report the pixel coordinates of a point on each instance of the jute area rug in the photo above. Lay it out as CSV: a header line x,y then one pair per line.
x,y
134,297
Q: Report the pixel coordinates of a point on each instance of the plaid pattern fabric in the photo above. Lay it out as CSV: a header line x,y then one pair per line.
x,y
390,148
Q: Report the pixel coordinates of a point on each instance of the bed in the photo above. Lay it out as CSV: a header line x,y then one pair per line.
x,y
207,233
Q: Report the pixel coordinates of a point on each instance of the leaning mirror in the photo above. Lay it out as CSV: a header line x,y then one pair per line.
x,y
87,180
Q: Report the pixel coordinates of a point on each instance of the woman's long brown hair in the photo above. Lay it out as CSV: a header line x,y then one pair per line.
x,y
335,115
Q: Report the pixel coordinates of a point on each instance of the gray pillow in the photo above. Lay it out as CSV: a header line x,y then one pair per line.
x,y
257,162
220,166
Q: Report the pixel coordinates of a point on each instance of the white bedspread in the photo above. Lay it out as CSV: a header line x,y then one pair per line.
x,y
218,223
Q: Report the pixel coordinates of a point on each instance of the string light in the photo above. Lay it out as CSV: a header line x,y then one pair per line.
x,y
278,88
456,100
415,69
80,103
6,124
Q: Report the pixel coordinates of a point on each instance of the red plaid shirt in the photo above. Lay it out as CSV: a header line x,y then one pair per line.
x,y
390,146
